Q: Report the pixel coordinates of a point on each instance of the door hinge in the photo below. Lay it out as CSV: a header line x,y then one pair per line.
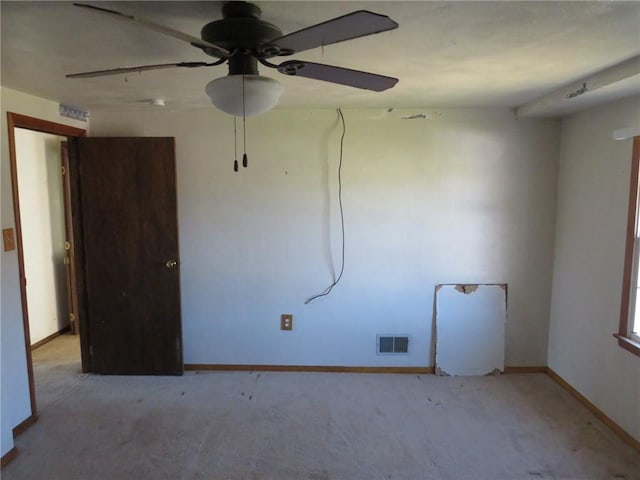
x,y
67,245
67,260
72,317
63,170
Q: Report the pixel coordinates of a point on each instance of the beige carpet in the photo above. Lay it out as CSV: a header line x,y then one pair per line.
x,y
241,425
56,369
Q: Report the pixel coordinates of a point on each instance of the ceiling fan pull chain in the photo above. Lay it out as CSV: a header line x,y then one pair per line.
x,y
235,146
245,160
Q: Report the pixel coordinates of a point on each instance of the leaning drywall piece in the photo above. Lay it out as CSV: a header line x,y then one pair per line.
x,y
467,287
470,328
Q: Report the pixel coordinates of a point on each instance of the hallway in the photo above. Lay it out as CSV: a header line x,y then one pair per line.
x,y
56,369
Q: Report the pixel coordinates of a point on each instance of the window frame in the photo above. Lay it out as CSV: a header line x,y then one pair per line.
x,y
631,271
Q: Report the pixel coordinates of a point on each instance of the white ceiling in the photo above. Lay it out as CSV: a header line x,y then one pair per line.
x,y
446,54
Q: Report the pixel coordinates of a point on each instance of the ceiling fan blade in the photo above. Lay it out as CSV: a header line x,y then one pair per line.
x,y
353,25
216,50
343,76
116,71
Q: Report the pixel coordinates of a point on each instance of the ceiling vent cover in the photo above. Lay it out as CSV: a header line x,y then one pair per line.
x,y
392,344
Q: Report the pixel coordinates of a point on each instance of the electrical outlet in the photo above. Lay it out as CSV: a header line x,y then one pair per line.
x,y
286,321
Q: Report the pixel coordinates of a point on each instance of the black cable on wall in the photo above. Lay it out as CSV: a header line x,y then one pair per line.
x,y
335,282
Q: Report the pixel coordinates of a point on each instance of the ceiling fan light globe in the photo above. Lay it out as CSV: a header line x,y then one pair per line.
x,y
261,94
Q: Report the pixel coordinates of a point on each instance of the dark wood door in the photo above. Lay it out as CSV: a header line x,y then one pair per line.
x,y
126,189
69,259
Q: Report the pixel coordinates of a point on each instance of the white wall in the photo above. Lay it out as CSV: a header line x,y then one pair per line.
x,y
43,231
590,241
468,196
14,387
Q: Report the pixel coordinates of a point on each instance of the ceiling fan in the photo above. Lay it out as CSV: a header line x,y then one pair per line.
x,y
242,40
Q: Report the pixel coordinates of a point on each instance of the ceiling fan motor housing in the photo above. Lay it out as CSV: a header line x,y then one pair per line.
x,y
241,31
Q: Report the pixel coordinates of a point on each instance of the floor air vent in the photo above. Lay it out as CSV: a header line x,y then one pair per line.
x,y
390,345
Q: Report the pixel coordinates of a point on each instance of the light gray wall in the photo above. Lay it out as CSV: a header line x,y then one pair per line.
x,y
14,386
467,196
589,256
43,231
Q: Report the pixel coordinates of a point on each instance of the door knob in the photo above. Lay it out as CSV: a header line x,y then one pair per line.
x,y
171,264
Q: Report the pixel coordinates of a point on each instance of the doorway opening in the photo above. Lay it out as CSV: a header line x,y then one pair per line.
x,y
42,216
